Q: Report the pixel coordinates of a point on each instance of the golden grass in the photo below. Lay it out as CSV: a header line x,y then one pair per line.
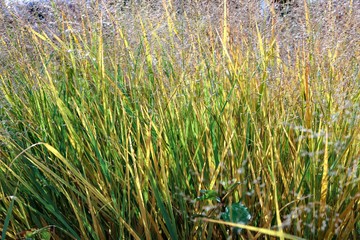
x,y
114,122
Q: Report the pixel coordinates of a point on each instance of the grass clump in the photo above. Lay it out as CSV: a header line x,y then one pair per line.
x,y
171,121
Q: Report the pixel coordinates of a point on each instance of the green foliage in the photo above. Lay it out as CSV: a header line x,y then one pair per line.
x,y
236,213
163,127
209,195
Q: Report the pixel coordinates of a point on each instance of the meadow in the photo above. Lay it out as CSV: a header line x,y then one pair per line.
x,y
181,120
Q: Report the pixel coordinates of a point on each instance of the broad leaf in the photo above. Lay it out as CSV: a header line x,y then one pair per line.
x,y
236,213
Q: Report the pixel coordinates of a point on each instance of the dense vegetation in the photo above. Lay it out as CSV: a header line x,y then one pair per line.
x,y
180,121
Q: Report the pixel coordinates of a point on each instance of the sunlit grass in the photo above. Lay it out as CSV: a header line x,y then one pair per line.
x,y
117,132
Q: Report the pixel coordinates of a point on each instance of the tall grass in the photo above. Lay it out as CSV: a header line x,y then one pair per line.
x,y
115,124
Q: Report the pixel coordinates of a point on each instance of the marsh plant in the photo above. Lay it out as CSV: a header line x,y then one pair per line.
x,y
181,120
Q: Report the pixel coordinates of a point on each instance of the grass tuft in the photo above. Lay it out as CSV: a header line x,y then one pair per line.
x,y
162,119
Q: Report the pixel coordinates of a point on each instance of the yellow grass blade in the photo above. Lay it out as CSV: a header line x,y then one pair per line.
x,y
325,177
255,229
